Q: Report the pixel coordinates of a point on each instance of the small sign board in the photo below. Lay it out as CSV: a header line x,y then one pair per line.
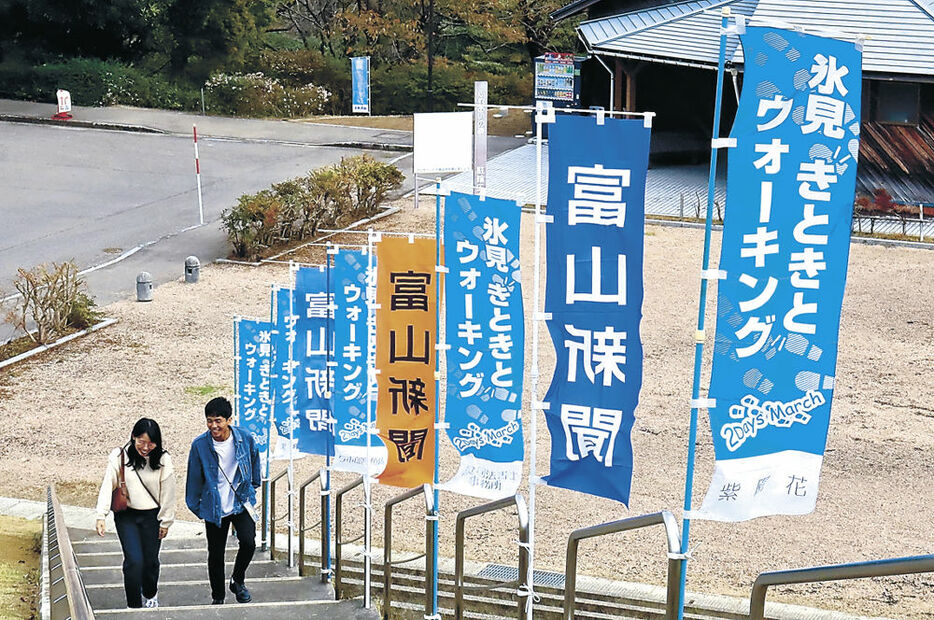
x,y
360,76
64,104
443,142
480,99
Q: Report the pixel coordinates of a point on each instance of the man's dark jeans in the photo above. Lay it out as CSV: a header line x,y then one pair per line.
x,y
138,531
217,541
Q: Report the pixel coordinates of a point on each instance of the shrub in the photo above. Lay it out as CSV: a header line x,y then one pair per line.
x,y
254,94
293,68
50,299
370,181
296,209
251,225
94,82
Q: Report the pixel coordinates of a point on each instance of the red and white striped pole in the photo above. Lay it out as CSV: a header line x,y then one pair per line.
x,y
194,129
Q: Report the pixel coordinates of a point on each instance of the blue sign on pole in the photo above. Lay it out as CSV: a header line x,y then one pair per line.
x,y
254,369
312,307
593,293
790,190
487,336
353,351
284,339
360,78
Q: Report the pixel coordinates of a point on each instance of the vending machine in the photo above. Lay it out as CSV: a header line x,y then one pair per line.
x,y
558,81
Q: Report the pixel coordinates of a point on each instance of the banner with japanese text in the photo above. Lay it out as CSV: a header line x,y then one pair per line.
x,y
353,352
254,366
360,84
486,333
593,294
790,191
405,358
312,350
283,345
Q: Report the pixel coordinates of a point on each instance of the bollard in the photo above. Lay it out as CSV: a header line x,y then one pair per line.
x,y
144,286
192,269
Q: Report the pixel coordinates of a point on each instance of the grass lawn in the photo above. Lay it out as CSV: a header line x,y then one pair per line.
x,y
498,123
20,546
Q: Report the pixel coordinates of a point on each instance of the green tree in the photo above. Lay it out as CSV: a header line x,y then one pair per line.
x,y
112,29
208,34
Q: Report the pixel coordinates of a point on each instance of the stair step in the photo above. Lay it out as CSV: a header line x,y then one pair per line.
x,y
166,556
108,543
196,571
183,593
286,610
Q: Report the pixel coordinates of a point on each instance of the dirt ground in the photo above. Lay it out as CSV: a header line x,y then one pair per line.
x,y
500,122
20,541
62,411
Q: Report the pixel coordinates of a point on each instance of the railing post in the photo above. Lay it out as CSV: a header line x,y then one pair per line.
x,y
835,572
301,531
265,518
338,542
325,531
426,491
272,513
665,518
524,587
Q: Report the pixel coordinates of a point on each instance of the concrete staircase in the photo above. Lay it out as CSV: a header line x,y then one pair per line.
x,y
184,592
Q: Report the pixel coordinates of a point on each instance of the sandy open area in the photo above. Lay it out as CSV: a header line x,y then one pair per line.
x,y
61,413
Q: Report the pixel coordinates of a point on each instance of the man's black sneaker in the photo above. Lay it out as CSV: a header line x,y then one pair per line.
x,y
217,601
243,595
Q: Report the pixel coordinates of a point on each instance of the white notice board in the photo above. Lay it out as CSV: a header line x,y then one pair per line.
x,y
443,142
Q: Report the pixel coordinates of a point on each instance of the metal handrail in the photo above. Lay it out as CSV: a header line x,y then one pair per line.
x,y
272,515
325,539
675,563
388,563
338,543
834,572
68,598
522,583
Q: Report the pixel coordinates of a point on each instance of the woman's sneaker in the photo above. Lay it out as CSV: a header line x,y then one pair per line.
x,y
151,603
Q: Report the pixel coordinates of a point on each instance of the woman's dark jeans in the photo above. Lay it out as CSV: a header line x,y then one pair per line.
x,y
139,536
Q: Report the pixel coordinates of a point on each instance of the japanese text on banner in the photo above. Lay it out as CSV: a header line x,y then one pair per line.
x,y
405,358
254,378
486,334
593,292
790,190
354,352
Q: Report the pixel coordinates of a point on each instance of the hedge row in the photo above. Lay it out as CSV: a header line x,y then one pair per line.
x,y
295,209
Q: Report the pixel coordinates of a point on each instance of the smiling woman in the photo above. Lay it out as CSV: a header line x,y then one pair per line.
x,y
20,542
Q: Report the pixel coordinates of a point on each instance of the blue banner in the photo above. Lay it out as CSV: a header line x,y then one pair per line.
x,y
284,415
254,370
354,350
311,354
790,190
593,293
487,336
360,77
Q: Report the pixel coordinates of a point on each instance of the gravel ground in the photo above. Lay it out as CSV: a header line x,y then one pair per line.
x,y
62,411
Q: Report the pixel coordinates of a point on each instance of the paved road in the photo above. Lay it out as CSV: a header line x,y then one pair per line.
x,y
92,195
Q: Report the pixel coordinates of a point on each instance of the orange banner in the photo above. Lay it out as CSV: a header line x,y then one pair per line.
x,y
405,358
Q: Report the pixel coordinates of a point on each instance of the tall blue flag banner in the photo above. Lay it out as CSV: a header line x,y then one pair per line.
x,y
790,190
312,305
283,320
360,78
353,350
593,294
487,336
254,370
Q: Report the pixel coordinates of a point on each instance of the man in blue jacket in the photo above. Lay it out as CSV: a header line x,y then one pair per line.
x,y
223,475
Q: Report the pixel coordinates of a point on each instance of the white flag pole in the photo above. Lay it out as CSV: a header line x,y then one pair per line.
x,y
371,380
537,317
292,414
194,131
